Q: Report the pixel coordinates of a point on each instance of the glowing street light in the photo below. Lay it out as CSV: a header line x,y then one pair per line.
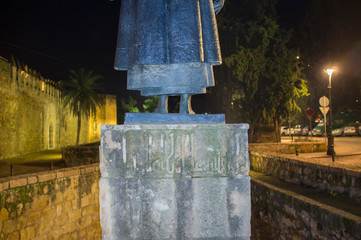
x,y
330,148
329,73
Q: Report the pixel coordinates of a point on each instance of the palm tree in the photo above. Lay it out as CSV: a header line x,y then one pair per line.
x,y
80,94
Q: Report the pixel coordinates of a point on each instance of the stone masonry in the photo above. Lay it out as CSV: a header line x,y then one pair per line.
x,y
62,204
324,178
174,181
32,116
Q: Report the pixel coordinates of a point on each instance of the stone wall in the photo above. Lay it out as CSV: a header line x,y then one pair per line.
x,y
288,148
62,204
325,178
279,214
32,116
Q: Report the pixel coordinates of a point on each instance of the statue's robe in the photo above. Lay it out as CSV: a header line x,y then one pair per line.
x,y
168,46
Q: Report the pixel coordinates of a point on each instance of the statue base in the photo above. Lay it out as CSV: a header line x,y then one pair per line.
x,y
175,181
172,118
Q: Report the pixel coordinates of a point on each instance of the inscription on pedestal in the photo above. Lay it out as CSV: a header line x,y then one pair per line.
x,y
170,151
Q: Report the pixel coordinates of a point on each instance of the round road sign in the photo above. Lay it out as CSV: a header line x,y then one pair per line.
x,y
324,101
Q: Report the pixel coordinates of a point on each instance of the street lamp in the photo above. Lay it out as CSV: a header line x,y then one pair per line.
x,y
330,147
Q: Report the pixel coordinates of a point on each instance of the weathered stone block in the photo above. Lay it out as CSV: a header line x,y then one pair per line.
x,y
13,236
18,182
32,179
75,215
175,182
27,233
4,214
167,151
47,177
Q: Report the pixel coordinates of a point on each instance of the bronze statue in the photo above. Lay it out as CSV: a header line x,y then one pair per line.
x,y
169,47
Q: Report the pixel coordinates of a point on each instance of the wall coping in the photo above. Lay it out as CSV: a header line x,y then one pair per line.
x,y
308,164
310,201
33,178
286,143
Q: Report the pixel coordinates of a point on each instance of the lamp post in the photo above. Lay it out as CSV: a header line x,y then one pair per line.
x,y
330,147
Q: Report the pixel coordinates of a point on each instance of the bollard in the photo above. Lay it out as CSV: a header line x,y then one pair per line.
x,y
296,152
333,153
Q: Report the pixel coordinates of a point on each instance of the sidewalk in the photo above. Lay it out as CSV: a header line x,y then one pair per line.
x,y
346,159
349,162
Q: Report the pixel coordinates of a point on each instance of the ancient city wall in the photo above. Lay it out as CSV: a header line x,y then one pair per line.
x,y
32,116
324,178
62,204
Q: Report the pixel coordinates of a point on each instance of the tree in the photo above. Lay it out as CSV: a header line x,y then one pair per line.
x,y
125,106
269,75
80,94
233,22
150,104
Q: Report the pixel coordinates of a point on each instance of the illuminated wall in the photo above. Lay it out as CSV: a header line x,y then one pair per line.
x,y
32,116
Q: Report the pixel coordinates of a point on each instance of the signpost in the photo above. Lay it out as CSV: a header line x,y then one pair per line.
x,y
324,102
310,113
324,109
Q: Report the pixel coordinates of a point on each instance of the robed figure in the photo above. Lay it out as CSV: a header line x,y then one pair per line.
x,y
169,47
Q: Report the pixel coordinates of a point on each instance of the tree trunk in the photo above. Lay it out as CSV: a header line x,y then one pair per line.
x,y
78,130
250,132
277,129
229,95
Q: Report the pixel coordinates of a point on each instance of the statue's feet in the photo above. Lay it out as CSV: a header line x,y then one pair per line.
x,y
162,104
185,104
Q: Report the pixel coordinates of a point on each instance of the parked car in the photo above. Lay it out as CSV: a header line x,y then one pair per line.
x,y
306,131
298,130
351,129
338,132
319,129
285,131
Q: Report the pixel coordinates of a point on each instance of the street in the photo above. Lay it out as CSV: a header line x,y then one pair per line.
x,y
345,145
348,145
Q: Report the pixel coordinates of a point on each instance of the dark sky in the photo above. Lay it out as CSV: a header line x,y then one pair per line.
x,y
58,35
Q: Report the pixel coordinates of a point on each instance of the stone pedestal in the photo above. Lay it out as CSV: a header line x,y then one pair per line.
x,y
175,181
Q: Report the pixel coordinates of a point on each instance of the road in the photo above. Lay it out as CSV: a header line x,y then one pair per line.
x,y
348,145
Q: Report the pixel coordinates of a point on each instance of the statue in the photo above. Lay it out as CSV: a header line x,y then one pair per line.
x,y
169,48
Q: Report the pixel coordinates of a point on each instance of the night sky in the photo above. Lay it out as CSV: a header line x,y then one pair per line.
x,y
56,36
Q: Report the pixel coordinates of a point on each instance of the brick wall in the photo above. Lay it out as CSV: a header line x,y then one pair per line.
x,y
62,204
